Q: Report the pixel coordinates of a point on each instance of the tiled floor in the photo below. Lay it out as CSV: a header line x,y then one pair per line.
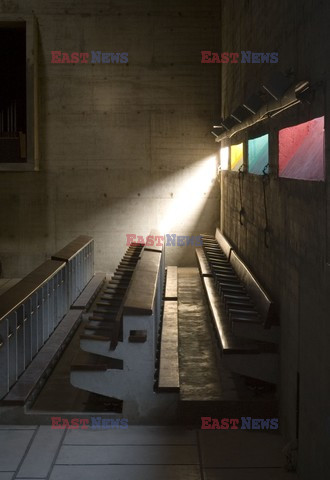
x,y
139,453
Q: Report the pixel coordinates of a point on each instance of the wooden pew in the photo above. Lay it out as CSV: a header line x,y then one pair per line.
x,y
263,304
241,311
105,322
136,345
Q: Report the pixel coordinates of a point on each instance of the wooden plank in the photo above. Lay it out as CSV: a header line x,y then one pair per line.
x,y
202,376
155,247
171,288
17,294
90,291
203,264
46,358
169,355
74,247
142,290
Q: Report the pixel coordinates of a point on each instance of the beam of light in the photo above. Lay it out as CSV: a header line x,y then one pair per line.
x,y
193,186
224,158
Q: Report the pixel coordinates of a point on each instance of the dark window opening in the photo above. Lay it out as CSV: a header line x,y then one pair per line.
x,y
13,92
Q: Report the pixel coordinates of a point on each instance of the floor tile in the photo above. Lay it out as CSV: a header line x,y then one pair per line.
x,y
6,475
129,472
41,454
248,474
134,435
128,455
234,448
13,446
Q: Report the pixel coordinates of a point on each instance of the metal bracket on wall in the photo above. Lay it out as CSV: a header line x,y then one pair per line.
x,y
265,181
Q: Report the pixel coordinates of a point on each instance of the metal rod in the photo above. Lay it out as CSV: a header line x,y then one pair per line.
x,y
15,119
12,117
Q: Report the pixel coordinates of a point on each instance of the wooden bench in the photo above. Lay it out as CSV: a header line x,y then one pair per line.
x,y
244,297
229,343
105,322
141,299
241,310
264,306
139,320
168,375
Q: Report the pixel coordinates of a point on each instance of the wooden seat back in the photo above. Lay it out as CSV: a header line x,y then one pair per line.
x,y
262,301
223,242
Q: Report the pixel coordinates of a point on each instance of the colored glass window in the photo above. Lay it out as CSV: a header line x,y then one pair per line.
x,y
301,151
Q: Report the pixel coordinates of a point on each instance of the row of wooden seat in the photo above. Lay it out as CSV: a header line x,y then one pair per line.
x,y
122,330
242,311
105,322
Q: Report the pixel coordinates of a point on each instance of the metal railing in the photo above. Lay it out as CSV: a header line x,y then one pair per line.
x,y
32,309
79,258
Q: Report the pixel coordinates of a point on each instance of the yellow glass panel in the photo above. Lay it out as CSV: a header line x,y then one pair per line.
x,y
236,156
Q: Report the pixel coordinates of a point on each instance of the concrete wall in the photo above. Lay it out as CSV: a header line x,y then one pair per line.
x,y
122,147
294,266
